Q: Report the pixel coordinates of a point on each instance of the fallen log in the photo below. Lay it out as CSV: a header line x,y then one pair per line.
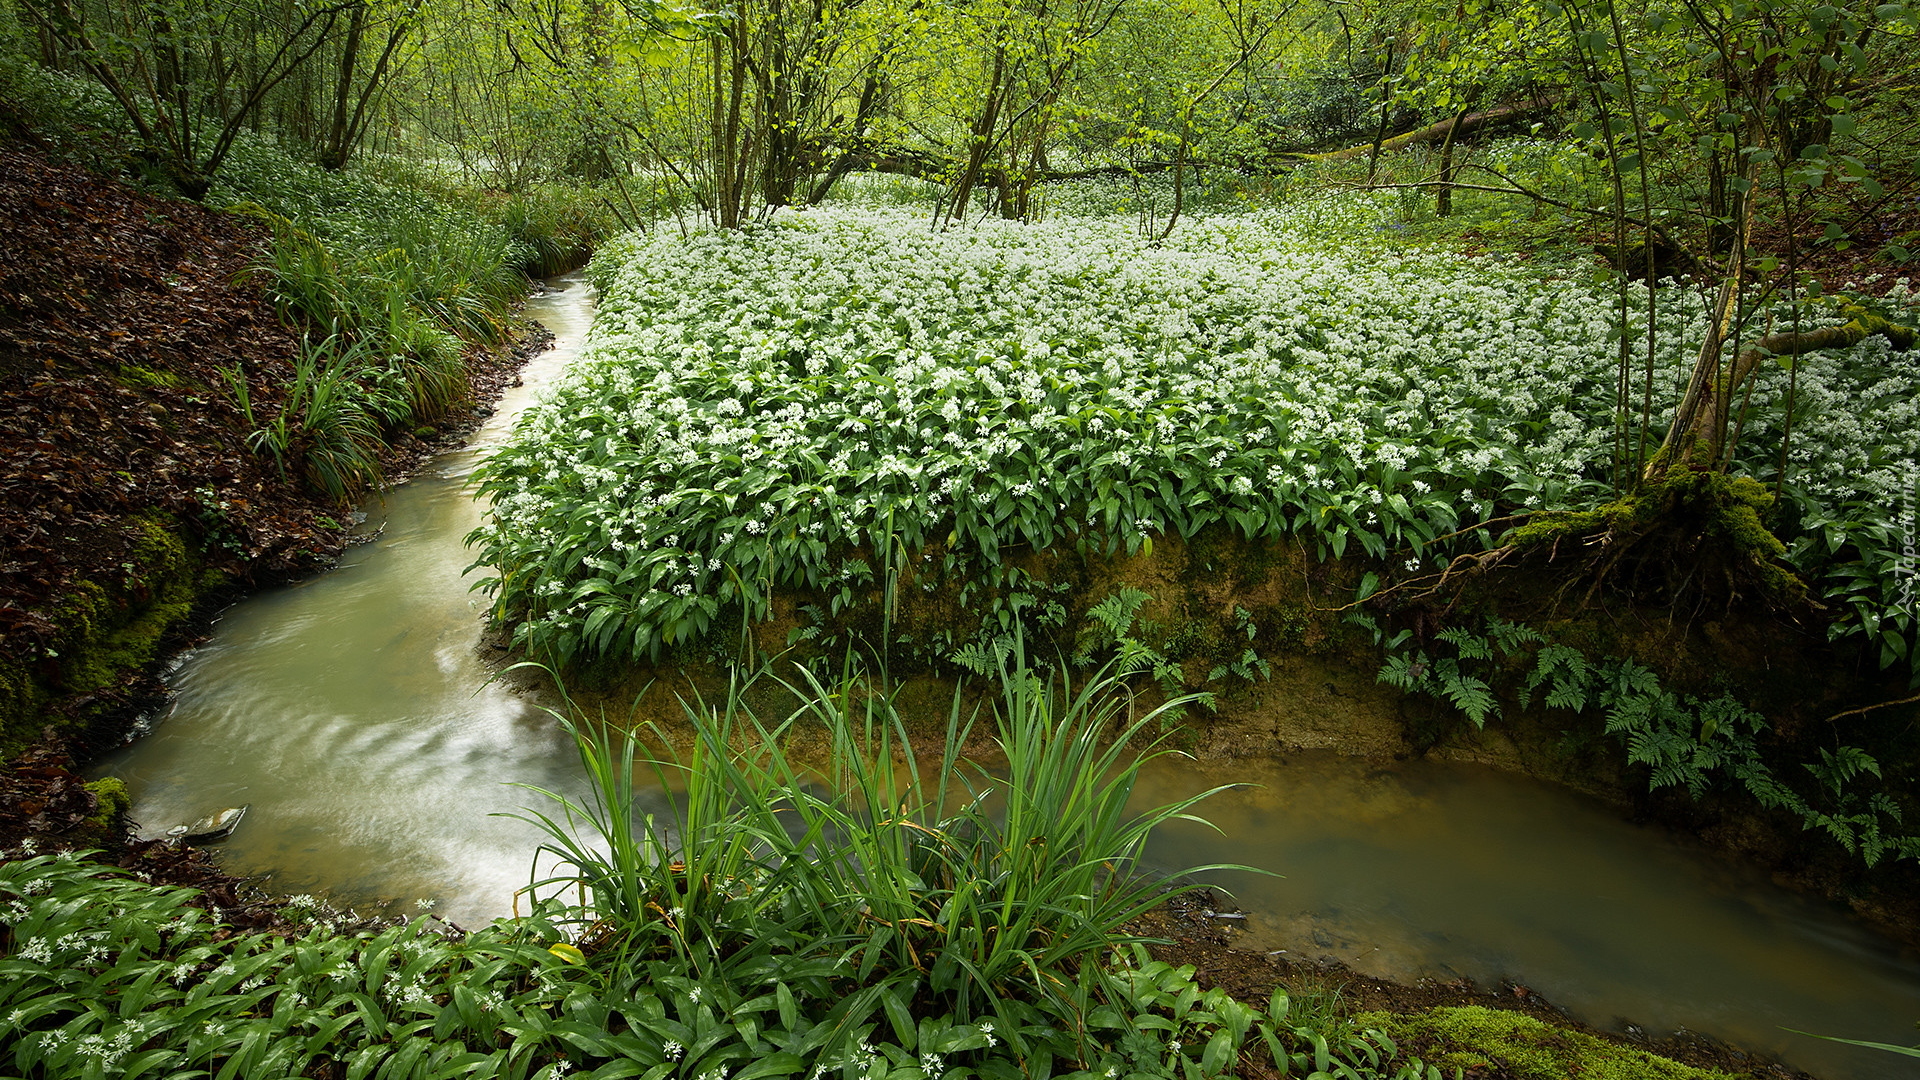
x,y
861,154
1435,133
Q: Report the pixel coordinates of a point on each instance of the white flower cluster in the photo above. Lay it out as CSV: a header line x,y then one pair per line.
x,y
751,401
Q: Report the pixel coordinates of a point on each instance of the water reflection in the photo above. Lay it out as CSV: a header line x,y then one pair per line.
x,y
1429,870
345,710
353,712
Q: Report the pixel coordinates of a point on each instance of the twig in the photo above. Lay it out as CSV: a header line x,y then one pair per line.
x,y
1483,525
1870,708
1481,559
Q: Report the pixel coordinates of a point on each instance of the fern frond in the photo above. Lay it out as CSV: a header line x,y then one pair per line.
x,y
1471,645
1511,637
1115,614
1407,672
1469,694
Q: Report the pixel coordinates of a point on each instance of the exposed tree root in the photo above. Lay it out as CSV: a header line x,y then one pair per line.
x,y
1869,708
1693,538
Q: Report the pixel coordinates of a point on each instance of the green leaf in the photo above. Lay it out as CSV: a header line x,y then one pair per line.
x,y
777,1064
1220,1053
789,1010
905,1031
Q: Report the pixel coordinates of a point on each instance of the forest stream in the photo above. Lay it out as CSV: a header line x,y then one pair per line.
x,y
354,715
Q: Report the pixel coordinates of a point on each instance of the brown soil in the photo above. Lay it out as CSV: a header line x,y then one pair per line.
x,y
121,314
1857,266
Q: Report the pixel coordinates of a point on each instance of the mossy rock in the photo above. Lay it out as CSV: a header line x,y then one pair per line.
x,y
1479,1041
113,800
114,628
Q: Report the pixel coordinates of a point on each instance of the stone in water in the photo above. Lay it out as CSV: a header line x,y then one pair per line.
x,y
215,826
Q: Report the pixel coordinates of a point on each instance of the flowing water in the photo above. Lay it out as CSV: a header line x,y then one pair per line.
x,y
353,713
1424,869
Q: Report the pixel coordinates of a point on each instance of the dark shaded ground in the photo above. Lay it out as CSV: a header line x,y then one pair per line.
x,y
119,313
1858,264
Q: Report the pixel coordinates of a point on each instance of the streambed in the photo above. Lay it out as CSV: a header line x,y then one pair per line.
x,y
354,713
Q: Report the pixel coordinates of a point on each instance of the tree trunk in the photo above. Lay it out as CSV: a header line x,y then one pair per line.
x,y
1699,426
334,149
980,136
1386,115
1443,199
845,161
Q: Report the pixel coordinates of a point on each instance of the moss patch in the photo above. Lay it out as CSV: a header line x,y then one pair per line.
x,y
1492,1042
117,626
107,627
112,799
1693,523
147,378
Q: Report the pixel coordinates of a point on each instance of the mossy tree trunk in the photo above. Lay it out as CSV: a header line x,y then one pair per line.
x,y
1698,435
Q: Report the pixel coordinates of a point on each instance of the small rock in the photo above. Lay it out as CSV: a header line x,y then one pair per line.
x,y
215,826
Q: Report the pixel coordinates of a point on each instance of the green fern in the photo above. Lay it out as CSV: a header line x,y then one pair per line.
x,y
1767,790
1472,646
1408,672
1470,694
1246,667
1510,637
1567,675
1116,613
1625,679
1682,742
1836,767
983,657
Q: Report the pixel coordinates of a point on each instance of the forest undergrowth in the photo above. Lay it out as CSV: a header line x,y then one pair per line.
x,y
931,317
196,396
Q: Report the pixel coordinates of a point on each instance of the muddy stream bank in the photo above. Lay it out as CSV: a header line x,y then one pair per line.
x,y
353,713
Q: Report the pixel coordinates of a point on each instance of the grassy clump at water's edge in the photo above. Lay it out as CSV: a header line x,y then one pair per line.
x,y
855,923
396,283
